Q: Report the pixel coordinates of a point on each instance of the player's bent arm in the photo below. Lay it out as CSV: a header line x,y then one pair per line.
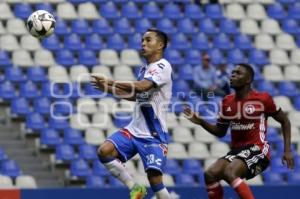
x,y
134,86
120,93
218,129
281,117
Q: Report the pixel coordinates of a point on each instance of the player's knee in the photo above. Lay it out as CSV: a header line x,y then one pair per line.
x,y
154,176
210,176
105,150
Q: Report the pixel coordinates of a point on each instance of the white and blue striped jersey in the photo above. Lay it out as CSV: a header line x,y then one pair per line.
x,y
150,112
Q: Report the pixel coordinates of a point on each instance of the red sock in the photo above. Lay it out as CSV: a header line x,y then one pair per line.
x,y
242,189
214,191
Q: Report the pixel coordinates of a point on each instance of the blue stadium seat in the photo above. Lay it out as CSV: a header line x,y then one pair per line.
x,y
273,178
243,42
235,56
14,74
293,178
7,90
207,26
296,103
61,28
116,42
49,89
35,122
42,105
99,169
151,11
258,57
101,27
99,2
73,42
19,107
3,155
214,11
161,2
114,182
287,2
62,106
194,12
94,42
122,26
134,41
216,56
49,138
79,169
174,57
294,11
95,182
76,2
141,25
121,119
267,86
29,90
51,43
73,89
80,27
22,10
109,11
130,11
290,26
44,6
172,11
288,89
192,166
140,1
183,179
186,26
273,135
179,41
88,152
65,57
276,11
90,91
58,122
181,86
37,74
88,58
4,59
73,136
200,41
172,167
166,25
64,153
10,168
277,166
192,56
228,26
222,41
186,72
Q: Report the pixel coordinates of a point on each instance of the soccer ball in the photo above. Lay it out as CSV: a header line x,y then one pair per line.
x,y
41,24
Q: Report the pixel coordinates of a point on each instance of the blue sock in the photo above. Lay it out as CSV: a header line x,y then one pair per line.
x,y
157,187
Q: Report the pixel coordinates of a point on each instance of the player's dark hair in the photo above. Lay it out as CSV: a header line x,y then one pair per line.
x,y
161,35
249,69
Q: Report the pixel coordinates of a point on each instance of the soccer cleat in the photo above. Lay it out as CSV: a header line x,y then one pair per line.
x,y
138,192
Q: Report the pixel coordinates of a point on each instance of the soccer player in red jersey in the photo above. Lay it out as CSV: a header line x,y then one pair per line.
x,y
245,112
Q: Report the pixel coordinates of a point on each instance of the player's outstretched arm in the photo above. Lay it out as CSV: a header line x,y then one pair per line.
x,y
105,86
287,157
218,129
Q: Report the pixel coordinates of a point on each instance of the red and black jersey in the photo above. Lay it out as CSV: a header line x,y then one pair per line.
x,y
247,118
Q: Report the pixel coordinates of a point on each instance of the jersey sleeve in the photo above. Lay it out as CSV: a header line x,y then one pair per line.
x,y
270,106
159,73
221,117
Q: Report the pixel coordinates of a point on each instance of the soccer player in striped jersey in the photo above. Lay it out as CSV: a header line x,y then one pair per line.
x,y
245,112
147,132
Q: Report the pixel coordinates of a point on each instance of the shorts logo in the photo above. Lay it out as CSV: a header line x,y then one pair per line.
x,y
164,149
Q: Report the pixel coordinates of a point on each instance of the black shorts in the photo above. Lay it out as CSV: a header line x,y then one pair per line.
x,y
255,160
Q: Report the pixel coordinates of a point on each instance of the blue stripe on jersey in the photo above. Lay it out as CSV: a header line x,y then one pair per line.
x,y
153,123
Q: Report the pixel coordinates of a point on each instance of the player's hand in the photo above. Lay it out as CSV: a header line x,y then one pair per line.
x,y
288,159
98,82
191,115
